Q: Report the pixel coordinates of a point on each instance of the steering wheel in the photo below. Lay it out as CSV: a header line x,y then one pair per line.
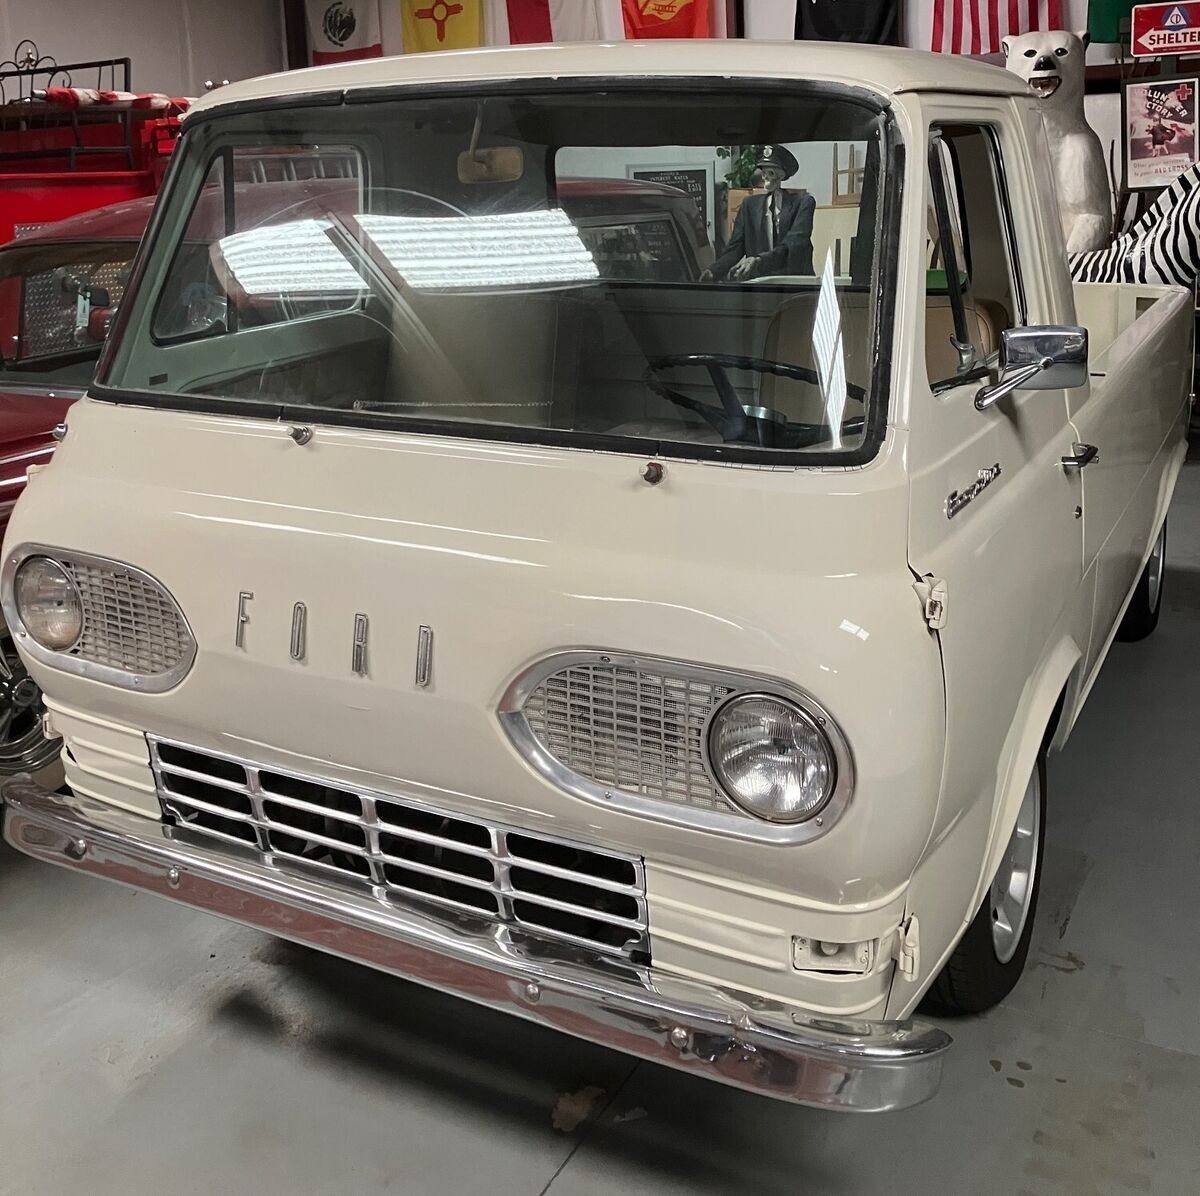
x,y
761,425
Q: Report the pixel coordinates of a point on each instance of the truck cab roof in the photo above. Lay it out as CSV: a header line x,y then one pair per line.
x,y
882,69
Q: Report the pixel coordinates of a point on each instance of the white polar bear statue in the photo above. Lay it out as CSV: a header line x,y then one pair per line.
x,y
1052,64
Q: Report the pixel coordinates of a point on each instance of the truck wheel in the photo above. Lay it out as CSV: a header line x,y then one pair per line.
x,y
1141,616
23,747
989,959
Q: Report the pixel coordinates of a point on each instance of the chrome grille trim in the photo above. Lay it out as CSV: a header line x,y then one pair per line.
x,y
631,733
499,864
134,634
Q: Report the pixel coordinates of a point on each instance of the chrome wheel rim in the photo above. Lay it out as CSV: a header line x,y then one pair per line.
x,y
1154,568
23,747
1012,890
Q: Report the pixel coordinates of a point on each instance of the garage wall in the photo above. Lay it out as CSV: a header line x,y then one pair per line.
x,y
175,44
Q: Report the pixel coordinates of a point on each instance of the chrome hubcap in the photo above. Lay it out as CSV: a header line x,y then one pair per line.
x,y
1154,569
1012,890
22,744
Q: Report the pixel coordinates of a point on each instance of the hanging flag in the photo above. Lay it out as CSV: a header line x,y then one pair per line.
x,y
441,24
868,21
1109,20
975,26
827,20
339,30
665,18
515,22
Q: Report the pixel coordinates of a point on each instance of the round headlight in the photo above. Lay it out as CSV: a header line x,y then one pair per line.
x,y
772,758
48,603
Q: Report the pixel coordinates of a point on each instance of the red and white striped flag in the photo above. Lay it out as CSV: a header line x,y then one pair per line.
x,y
975,26
512,22
517,22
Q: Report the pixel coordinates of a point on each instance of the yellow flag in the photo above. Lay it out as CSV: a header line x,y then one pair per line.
x,y
441,24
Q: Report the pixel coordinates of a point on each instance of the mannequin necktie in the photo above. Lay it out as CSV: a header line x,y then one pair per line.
x,y
773,219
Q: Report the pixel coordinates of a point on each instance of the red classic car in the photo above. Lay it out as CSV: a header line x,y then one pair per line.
x,y
58,287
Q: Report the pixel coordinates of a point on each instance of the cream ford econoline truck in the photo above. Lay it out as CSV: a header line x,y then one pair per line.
x,y
660,643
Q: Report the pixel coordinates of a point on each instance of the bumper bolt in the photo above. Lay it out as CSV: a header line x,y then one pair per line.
x,y
533,993
76,849
173,877
680,1038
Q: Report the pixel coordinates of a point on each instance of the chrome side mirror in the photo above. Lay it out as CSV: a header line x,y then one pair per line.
x,y
1038,357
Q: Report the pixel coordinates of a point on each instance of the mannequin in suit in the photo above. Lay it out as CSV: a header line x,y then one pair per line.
x,y
772,233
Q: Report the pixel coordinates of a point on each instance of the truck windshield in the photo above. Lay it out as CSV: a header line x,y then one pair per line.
x,y
57,300
688,271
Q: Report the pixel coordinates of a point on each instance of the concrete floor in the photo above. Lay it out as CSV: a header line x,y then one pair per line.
x,y
145,1048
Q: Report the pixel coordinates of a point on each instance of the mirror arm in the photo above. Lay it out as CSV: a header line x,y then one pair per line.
x,y
989,396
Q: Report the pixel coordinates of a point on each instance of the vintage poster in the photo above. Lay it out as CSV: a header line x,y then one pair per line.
x,y
695,181
1160,132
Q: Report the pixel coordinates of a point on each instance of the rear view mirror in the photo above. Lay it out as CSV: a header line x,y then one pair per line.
x,y
496,164
99,322
1038,357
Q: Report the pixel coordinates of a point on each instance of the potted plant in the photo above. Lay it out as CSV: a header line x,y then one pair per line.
x,y
739,179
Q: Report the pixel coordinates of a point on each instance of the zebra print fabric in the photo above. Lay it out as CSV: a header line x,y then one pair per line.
x,y
1162,247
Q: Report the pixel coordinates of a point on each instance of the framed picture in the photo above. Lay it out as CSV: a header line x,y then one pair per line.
x,y
1160,131
696,181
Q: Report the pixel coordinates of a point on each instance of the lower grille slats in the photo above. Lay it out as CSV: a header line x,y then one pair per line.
x,y
401,851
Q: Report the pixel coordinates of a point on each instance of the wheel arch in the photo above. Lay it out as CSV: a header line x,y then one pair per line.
x,y
1042,723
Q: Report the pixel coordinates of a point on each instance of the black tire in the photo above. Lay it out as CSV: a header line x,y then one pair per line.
x,y
974,979
1141,616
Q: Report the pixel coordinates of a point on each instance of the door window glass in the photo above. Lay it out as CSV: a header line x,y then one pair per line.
x,y
249,259
972,289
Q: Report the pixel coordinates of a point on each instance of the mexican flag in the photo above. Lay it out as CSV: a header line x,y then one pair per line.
x,y
339,30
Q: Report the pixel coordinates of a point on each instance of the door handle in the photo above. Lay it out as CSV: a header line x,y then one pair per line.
x,y
1084,454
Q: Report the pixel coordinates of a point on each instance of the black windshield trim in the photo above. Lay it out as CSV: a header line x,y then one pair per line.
x,y
887,261
603,442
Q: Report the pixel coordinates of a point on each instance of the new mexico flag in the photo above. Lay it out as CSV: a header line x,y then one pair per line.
x,y
441,24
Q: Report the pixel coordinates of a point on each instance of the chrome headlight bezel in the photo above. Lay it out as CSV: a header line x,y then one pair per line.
x,y
731,820
68,660
814,725
50,567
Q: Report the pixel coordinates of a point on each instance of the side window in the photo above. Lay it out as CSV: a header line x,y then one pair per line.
x,y
972,285
258,248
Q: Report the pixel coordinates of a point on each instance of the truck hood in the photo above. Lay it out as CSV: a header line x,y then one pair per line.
x,y
508,553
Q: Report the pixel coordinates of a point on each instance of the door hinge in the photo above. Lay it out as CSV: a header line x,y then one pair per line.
x,y
908,949
934,594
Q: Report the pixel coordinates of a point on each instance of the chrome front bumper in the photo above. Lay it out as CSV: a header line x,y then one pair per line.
x,y
831,1063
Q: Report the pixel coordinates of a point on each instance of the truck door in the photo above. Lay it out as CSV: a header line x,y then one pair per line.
x,y
993,512
1131,415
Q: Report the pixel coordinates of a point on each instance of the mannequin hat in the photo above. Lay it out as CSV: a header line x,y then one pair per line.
x,y
778,156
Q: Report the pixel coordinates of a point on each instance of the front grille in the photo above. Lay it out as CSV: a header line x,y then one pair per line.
x,y
402,852
631,727
129,622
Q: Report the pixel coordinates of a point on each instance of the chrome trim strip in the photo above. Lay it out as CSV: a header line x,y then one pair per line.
x,y
374,823
147,683
719,1034
735,823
